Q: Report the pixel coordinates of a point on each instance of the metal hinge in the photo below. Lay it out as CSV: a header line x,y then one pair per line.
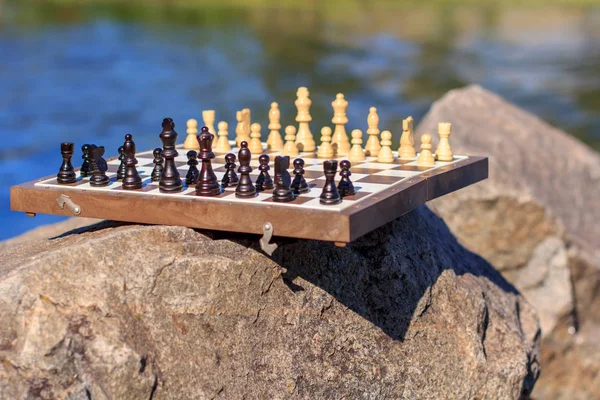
x,y
64,199
267,247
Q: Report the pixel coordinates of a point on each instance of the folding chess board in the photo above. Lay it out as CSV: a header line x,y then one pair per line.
x,y
383,193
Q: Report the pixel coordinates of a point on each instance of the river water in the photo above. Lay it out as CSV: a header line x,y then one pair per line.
x,y
91,74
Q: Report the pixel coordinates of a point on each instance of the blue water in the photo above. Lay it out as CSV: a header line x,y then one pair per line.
x,y
91,76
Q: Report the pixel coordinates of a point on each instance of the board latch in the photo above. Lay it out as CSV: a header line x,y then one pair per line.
x,y
64,199
267,247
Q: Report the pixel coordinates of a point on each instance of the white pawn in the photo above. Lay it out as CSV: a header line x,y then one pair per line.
x,y
255,146
191,143
290,148
223,145
425,158
444,151
208,116
385,153
325,149
356,152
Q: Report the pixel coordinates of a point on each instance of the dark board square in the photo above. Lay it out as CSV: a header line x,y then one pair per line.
x,y
112,168
298,200
145,188
381,179
413,168
312,174
316,184
368,171
78,182
356,196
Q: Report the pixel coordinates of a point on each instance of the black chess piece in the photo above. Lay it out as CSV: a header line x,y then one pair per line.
x,y
230,178
66,173
264,180
121,169
282,192
245,188
207,184
299,184
170,181
158,164
192,175
330,195
98,166
131,179
85,166
345,186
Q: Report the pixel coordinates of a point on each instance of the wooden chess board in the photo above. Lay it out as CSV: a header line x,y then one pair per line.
x,y
383,192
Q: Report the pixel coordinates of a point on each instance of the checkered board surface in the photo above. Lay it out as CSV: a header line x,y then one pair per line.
x,y
369,177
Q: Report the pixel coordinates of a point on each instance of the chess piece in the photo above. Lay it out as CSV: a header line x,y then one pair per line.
x,y
345,186
274,141
245,188
208,117
207,183
192,130
444,151
132,179
158,164
325,149
282,192
290,148
230,178
255,146
240,129
330,195
192,175
340,142
122,167
223,145
247,122
85,166
385,153
425,157
356,152
66,173
170,181
372,147
98,166
407,141
264,180
299,184
304,139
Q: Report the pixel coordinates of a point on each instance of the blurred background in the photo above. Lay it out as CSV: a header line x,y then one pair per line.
x,y
92,71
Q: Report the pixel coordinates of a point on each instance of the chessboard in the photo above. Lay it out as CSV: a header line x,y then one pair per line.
x,y
383,192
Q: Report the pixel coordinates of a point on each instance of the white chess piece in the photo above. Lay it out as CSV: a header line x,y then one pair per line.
x,y
223,145
325,149
191,143
444,151
304,139
356,152
425,157
407,141
290,148
241,133
274,141
385,153
372,147
255,146
208,116
340,142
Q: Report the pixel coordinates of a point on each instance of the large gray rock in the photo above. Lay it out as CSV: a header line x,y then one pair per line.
x,y
536,219
138,312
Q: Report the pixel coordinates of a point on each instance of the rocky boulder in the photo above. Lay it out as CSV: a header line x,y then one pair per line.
x,y
154,312
536,219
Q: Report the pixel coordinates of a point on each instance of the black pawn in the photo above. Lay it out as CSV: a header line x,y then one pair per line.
x,y
66,173
264,180
158,164
192,175
245,188
85,155
121,169
345,187
170,181
207,184
282,192
131,179
230,178
98,166
330,195
299,184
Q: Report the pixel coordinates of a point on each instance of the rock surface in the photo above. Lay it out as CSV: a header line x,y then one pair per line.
x,y
151,312
536,219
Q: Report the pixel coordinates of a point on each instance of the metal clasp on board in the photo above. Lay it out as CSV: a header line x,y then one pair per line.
x,y
63,200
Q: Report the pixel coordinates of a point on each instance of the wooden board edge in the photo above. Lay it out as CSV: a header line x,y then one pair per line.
x,y
456,176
